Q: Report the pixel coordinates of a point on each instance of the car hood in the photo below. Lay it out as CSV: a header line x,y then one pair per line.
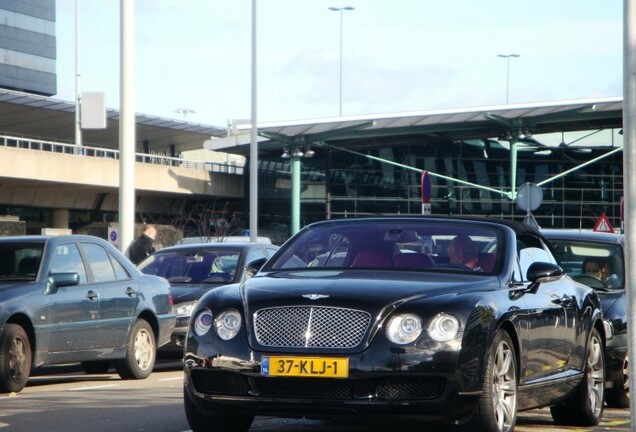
x,y
609,300
15,290
188,293
367,290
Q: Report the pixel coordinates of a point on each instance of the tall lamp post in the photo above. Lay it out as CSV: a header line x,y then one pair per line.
x,y
340,10
508,57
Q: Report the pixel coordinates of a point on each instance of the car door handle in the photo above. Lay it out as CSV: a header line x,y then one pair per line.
x,y
130,292
565,300
91,295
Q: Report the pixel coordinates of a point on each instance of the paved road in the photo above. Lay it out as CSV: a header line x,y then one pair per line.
x,y
65,400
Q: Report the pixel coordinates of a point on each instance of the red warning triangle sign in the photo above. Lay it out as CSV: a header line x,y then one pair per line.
x,y
603,224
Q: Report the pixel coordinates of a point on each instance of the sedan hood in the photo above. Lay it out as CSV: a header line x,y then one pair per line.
x,y
10,285
610,299
188,293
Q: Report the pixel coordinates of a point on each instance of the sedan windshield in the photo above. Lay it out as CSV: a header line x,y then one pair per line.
x,y
597,264
193,266
20,261
418,245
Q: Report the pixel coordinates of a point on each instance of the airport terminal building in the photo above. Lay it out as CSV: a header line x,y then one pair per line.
x,y
309,170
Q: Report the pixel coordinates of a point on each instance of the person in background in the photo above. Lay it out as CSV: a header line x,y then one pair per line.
x,y
463,250
143,246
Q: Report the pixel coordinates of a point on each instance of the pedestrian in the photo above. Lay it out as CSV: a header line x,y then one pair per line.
x,y
143,246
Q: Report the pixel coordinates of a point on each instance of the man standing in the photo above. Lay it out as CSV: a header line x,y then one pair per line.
x,y
143,246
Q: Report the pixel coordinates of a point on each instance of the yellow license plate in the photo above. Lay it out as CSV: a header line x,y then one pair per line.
x,y
310,367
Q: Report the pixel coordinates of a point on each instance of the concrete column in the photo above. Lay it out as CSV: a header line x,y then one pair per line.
x,y
60,218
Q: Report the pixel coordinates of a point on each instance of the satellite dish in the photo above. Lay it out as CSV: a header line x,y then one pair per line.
x,y
529,197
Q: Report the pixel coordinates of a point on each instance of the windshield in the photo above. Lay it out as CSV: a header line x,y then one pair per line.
x,y
426,245
20,261
599,265
193,266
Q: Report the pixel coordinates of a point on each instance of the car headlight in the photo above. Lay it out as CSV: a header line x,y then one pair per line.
x,y
609,329
403,329
443,327
228,324
202,322
183,309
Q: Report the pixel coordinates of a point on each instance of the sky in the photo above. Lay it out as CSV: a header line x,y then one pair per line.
x,y
398,56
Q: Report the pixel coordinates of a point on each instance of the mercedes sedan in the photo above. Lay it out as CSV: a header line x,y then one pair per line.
x,y
451,319
75,298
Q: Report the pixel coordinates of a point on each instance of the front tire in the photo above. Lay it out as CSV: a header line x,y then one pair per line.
x,y
15,359
200,422
585,408
497,407
141,352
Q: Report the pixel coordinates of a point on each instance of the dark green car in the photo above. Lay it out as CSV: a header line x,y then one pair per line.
x,y
74,298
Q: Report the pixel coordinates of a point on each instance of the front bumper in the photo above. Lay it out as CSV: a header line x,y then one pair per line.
x,y
178,335
381,381
615,356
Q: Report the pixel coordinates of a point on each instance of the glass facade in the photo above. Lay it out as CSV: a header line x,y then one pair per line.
x,y
28,46
579,181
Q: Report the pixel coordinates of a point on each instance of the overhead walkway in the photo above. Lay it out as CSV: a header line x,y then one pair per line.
x,y
55,175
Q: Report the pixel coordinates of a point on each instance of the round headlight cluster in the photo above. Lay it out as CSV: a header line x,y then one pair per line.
x,y
406,328
403,329
202,322
228,324
443,327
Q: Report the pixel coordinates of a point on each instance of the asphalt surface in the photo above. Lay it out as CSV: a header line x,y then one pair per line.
x,y
62,399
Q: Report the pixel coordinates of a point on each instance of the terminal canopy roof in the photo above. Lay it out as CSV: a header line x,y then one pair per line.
x,y
504,122
33,116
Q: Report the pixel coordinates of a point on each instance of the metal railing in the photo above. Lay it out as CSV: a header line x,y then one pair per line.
x,y
152,158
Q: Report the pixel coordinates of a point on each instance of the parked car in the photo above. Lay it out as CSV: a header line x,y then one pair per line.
x,y
75,298
598,259
377,316
193,269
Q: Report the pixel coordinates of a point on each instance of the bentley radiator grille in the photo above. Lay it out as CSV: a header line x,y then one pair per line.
x,y
310,327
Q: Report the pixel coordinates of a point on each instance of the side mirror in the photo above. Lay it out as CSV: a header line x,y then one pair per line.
x,y
58,280
253,267
539,272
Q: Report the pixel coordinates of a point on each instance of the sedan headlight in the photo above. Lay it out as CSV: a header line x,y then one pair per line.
x,y
404,329
228,324
183,309
443,327
202,322
609,329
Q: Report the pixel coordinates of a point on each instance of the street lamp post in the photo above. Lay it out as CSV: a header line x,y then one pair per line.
x,y
341,10
507,57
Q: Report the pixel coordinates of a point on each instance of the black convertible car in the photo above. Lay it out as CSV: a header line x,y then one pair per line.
x,y
458,320
597,259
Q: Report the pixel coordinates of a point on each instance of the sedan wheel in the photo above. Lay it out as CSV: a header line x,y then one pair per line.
x,y
618,395
141,352
585,408
497,408
15,359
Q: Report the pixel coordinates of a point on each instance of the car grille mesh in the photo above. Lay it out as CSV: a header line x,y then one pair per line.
x,y
310,327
